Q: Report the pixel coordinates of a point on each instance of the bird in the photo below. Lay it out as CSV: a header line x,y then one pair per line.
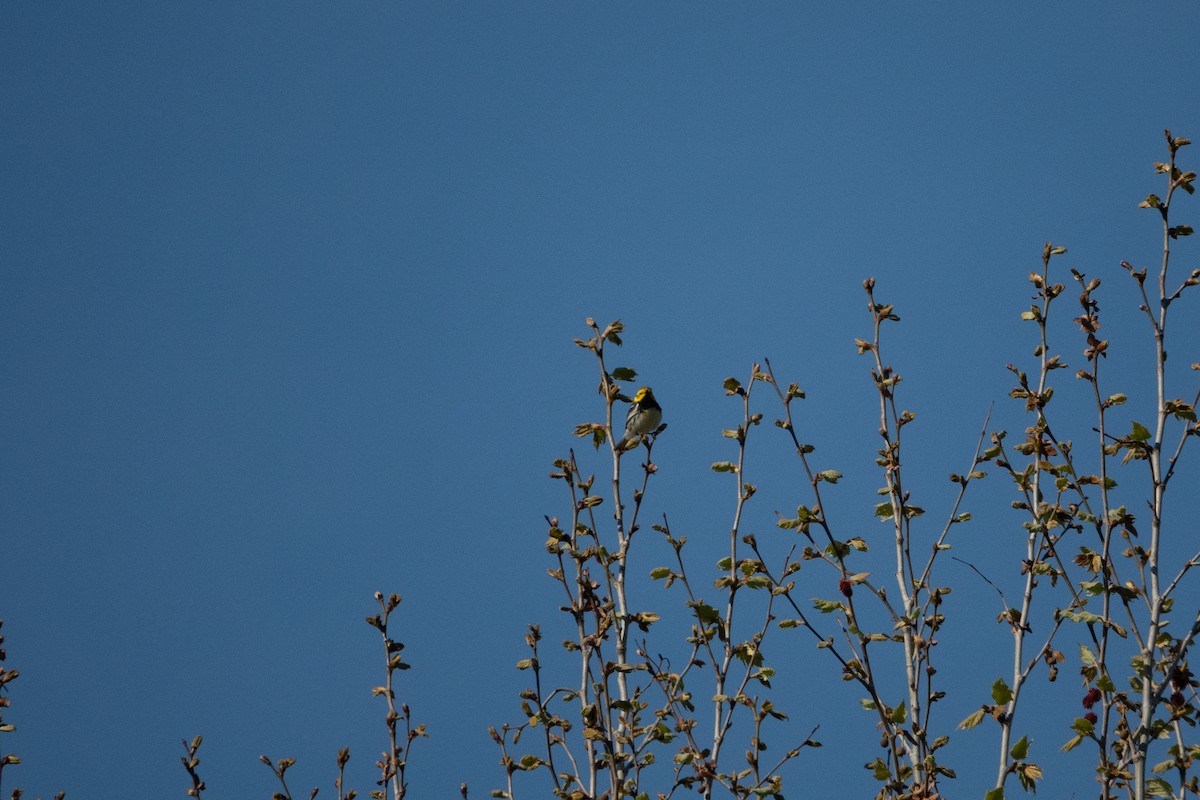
x,y
644,416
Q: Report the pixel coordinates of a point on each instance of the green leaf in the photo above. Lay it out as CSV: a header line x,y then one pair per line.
x,y
995,794
623,374
1087,656
1020,749
1001,694
1080,616
1083,726
971,721
826,606
884,511
1157,787
900,713
724,466
658,573
829,476
706,613
1140,434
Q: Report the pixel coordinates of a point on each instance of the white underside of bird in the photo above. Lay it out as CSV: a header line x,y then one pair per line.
x,y
638,422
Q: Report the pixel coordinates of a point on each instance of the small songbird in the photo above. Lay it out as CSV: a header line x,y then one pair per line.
x,y
645,414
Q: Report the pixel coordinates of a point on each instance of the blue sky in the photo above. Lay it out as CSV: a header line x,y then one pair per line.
x,y
290,290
